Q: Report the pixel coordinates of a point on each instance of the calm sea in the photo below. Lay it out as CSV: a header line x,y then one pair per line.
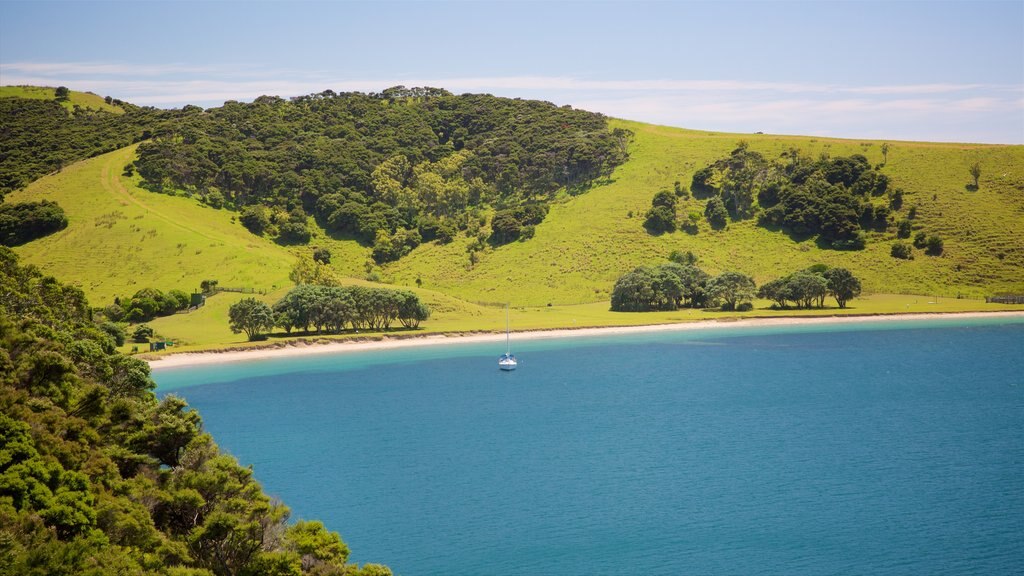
x,y
869,449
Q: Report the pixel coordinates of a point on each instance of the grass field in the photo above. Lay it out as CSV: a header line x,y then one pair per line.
x,y
83,99
122,238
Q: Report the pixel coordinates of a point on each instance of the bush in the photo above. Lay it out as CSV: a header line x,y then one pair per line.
x,y
933,246
255,219
920,240
716,213
322,255
293,233
903,229
902,250
142,334
660,219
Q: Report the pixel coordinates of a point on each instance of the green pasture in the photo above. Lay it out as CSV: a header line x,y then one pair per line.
x,y
121,238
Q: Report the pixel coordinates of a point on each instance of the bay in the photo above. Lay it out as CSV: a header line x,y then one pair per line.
x,y
885,449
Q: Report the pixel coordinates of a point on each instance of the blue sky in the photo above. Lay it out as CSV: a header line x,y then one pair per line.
x,y
945,71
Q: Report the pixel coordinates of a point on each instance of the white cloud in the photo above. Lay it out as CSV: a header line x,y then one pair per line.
x,y
910,111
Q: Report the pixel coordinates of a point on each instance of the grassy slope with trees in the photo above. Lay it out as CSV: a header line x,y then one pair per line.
x,y
583,245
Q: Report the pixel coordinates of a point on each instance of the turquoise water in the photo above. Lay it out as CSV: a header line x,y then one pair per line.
x,y
867,449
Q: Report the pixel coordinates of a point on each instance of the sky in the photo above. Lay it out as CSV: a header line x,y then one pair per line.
x,y
896,70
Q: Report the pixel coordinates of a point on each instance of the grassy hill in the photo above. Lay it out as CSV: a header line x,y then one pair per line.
x,y
587,241
83,99
122,237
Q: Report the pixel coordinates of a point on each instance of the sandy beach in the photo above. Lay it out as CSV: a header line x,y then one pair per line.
x,y
287,350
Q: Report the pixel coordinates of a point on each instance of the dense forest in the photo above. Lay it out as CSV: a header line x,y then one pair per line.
x,y
99,476
827,198
392,169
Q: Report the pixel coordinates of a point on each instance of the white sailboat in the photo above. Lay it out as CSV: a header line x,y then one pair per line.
x,y
507,361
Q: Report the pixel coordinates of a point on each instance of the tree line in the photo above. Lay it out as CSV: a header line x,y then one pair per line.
x,y
99,476
682,284
329,309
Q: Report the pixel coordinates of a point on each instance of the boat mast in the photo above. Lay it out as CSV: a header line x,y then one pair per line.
x,y
508,346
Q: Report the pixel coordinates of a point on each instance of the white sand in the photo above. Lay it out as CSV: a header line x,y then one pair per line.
x,y
385,343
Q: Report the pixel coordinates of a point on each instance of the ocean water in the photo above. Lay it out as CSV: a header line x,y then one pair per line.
x,y
868,449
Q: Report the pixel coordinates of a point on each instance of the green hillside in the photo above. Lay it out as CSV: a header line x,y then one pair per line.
x,y
83,99
587,241
122,237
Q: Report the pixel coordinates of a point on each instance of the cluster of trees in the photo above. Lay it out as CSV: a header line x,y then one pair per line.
x,y
808,288
831,198
680,283
98,476
675,285
27,221
147,304
408,162
330,309
932,244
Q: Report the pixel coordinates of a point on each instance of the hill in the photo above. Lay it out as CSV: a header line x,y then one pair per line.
x,y
587,241
122,236
86,100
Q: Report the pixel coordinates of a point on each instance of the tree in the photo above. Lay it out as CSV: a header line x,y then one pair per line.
x,y
255,219
660,219
934,245
842,285
732,288
885,152
716,213
505,227
251,316
975,171
322,255
62,93
142,334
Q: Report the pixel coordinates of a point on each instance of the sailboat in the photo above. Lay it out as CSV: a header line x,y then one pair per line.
x,y
507,361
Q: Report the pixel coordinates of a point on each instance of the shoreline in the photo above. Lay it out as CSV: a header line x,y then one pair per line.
x,y
385,342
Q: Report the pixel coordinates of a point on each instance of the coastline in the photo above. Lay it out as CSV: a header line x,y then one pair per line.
x,y
384,342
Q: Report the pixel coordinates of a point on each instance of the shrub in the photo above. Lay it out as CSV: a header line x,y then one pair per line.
x,y
716,213
933,245
660,219
902,250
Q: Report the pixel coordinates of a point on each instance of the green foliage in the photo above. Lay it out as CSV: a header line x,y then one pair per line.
x,y
39,136
142,334
732,289
364,165
660,219
26,221
716,213
99,477
335,308
902,250
934,245
663,287
252,317
824,198
842,285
